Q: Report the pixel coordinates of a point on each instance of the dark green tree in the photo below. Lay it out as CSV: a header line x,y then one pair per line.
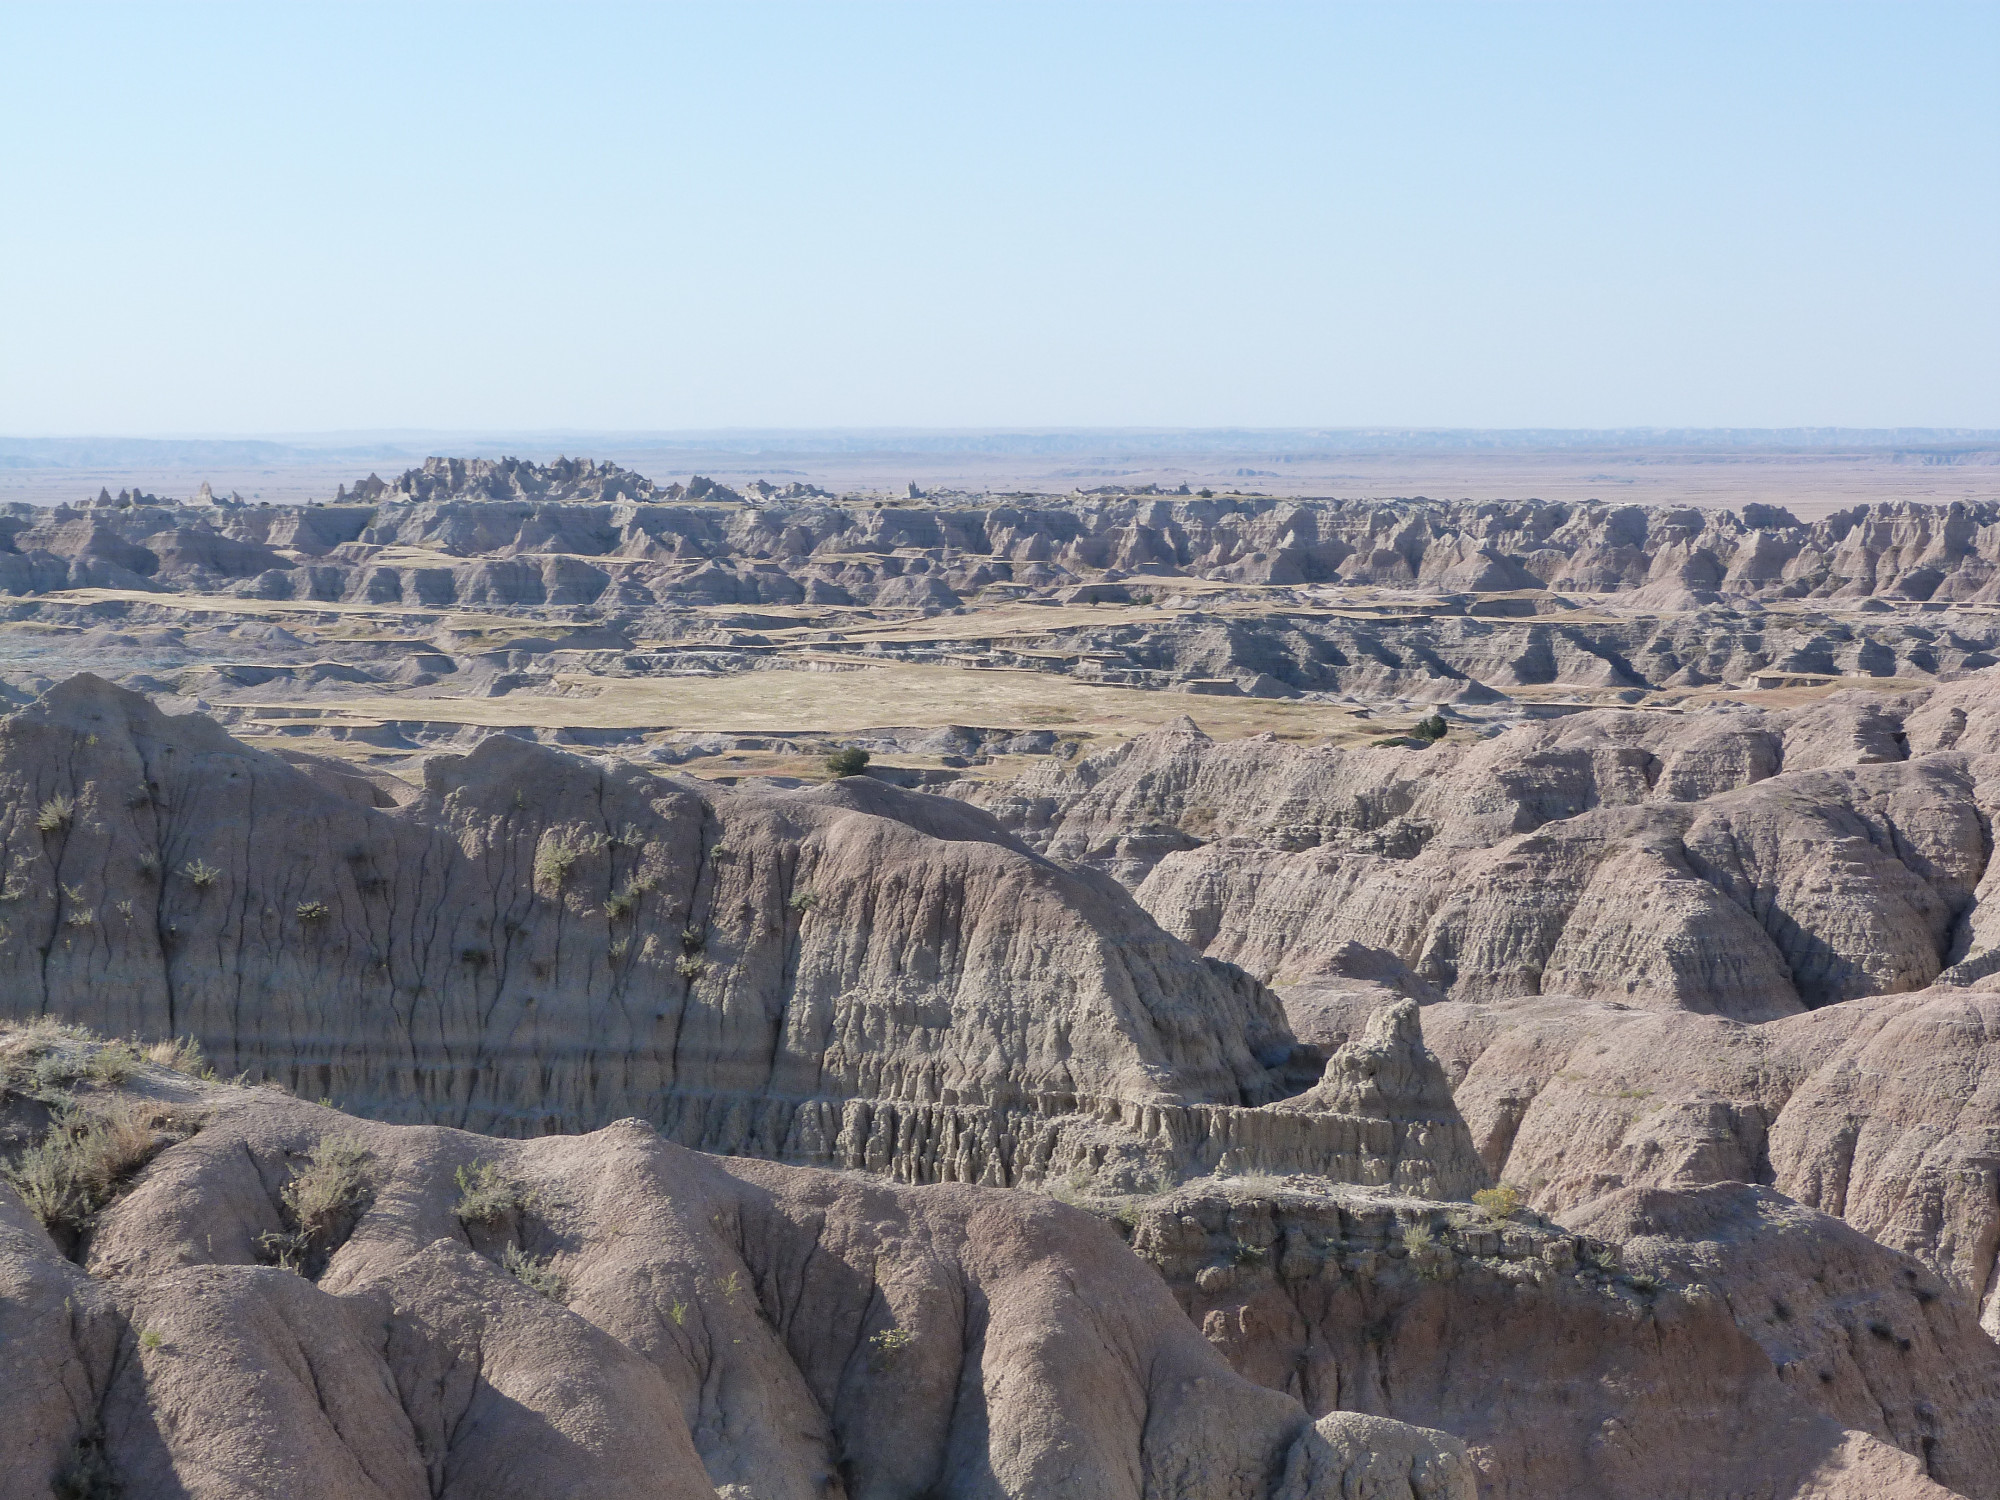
x,y
848,760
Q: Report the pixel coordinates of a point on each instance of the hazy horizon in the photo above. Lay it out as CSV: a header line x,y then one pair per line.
x,y
1053,437
1812,471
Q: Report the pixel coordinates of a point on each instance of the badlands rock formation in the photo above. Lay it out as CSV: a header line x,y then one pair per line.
x,y
1879,1111
282,1300
1745,863
363,619
851,975
1572,1367
1416,599
579,509
1593,1095
615,1316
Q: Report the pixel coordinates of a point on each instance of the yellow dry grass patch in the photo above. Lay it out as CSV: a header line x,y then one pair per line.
x,y
844,700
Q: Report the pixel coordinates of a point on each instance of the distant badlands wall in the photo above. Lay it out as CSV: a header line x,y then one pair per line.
x,y
581,534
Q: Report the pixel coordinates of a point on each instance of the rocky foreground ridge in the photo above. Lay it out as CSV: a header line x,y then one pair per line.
x,y
290,1302
213,1290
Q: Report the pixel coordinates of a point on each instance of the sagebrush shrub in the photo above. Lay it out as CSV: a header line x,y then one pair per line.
x,y
68,1177
485,1195
320,1203
1501,1202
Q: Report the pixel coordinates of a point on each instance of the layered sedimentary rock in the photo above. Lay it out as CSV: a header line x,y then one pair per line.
x,y
1871,1338
618,1317
612,1314
655,540
1566,1370
850,975
1387,1073
1879,1111
1747,863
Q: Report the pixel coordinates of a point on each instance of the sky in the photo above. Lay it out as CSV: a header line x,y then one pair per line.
x,y
292,218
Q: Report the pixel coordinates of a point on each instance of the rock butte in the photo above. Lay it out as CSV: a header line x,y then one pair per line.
x,y
701,1117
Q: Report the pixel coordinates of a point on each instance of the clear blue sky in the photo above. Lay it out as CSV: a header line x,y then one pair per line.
x,y
293,217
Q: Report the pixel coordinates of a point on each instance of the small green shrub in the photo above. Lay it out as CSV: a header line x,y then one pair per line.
x,y
333,1184
320,1204
55,1071
690,966
183,1054
885,1345
849,760
485,1195
113,1062
554,860
803,901
151,1339
200,873
313,911
621,903
55,813
1501,1202
693,940
535,1274
1417,1237
87,1475
679,1313
68,1177
1432,729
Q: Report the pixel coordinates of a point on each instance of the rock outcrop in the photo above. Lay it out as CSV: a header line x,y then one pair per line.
x,y
1871,1338
702,540
1878,1111
1675,555
1565,1370
273,1298
846,976
1388,1074
1743,863
612,1315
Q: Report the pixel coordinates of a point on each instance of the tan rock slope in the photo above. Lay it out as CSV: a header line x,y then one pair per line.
x,y
266,1297
1879,1111
1867,1336
848,975
294,1303
1745,863
1571,1367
